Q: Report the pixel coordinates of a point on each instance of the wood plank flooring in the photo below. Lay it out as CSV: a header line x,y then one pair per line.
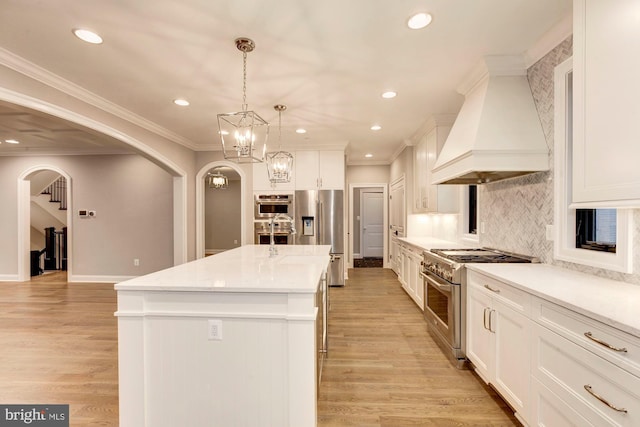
x,y
58,344
384,369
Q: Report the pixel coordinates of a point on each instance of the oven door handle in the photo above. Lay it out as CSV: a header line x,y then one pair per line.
x,y
442,287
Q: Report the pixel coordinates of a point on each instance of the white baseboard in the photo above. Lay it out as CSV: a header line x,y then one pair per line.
x,y
8,277
357,256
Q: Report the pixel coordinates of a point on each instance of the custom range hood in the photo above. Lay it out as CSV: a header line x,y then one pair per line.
x,y
497,134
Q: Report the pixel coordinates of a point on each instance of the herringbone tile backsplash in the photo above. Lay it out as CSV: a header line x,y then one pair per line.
x,y
516,211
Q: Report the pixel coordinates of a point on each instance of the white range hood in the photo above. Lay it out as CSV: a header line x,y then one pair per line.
x,y
497,134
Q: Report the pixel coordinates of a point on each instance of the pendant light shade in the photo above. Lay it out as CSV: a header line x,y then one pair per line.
x,y
243,134
279,163
217,181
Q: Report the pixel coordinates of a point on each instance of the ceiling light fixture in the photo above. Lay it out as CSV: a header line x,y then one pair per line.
x,y
245,140
279,163
376,127
181,102
368,155
217,181
389,94
12,141
419,20
301,131
87,36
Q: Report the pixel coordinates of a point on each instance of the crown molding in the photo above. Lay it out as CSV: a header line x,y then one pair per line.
x,y
35,72
552,38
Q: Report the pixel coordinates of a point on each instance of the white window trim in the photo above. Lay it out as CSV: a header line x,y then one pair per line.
x,y
565,218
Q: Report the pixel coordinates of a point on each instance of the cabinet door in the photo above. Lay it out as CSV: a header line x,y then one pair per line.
x,y
512,356
420,192
605,99
331,170
307,167
416,279
480,349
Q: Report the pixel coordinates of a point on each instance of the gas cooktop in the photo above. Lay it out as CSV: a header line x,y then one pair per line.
x,y
481,255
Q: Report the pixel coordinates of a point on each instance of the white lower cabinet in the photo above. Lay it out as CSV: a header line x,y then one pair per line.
x,y
555,367
498,337
595,386
409,275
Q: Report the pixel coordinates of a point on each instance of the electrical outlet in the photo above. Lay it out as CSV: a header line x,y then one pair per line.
x,y
482,229
215,329
136,262
549,232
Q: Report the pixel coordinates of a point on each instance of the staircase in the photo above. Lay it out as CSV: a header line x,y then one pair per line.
x,y
57,192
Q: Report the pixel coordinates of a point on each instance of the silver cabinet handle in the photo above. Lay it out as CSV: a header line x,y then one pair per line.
x,y
603,400
485,318
491,321
497,291
604,344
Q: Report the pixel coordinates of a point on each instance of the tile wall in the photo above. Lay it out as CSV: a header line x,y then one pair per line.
x,y
515,212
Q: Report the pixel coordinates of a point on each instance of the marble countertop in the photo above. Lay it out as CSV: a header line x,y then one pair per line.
x,y
296,269
614,303
426,243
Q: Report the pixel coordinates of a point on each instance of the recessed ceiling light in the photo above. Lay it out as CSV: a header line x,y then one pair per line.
x,y
388,95
181,102
301,130
376,127
87,36
12,141
368,155
419,20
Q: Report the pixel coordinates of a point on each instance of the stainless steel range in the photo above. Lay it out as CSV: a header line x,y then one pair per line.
x,y
445,291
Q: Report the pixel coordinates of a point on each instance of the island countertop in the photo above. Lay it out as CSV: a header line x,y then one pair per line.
x,y
296,269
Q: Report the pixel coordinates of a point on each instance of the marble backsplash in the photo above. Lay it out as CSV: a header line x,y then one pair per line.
x,y
515,212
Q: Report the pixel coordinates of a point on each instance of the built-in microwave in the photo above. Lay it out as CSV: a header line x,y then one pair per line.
x,y
269,205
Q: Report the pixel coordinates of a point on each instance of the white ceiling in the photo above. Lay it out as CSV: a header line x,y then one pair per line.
x,y
327,60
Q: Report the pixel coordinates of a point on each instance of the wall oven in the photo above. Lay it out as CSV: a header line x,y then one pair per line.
x,y
269,205
444,279
281,233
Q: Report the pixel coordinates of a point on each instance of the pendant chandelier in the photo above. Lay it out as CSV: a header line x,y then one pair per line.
x,y
244,134
279,163
217,181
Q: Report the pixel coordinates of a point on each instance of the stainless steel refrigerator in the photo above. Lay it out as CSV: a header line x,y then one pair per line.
x,y
319,217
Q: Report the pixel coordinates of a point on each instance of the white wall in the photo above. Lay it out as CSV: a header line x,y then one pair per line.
x,y
133,199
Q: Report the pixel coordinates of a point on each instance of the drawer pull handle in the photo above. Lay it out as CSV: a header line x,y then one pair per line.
x,y
603,400
497,291
609,346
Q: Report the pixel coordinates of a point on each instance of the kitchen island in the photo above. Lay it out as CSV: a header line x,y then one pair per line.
x,y
227,340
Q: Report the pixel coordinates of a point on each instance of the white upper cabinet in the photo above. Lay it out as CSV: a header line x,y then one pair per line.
x,y
429,197
319,170
606,135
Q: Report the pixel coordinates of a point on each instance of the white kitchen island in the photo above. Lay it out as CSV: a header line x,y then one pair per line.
x,y
227,340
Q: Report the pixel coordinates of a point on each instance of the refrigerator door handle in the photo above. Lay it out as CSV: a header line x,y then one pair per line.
x,y
320,227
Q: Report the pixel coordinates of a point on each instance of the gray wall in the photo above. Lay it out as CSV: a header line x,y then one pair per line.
x,y
222,217
133,199
516,211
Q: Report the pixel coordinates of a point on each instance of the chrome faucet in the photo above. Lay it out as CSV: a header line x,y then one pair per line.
x,y
273,251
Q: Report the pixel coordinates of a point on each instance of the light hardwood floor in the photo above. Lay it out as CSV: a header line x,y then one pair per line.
x,y
58,344
385,370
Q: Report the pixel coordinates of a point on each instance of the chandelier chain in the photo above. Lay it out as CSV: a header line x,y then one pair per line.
x,y
244,81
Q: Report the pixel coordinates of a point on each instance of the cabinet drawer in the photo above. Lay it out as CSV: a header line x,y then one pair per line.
x,y
568,369
610,341
547,409
513,297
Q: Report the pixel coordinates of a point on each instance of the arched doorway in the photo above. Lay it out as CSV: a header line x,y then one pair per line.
x,y
25,218
238,182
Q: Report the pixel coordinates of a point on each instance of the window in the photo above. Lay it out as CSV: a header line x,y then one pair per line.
x,y
468,224
472,220
597,237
